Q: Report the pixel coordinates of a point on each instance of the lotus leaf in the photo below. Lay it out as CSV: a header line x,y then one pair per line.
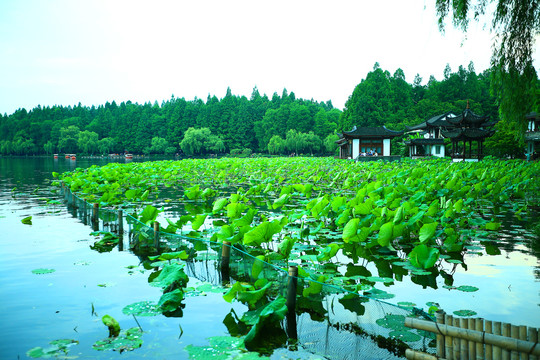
x,y
391,321
142,308
181,255
378,294
427,231
465,313
171,301
262,233
27,220
112,324
171,274
423,257
128,340
58,349
42,271
148,215
467,288
385,234
315,287
404,335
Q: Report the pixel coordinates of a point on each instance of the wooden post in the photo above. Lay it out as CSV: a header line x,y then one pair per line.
x,y
156,235
471,324
514,333
417,355
292,283
440,338
463,344
533,337
476,336
95,213
225,259
448,347
497,330
506,333
120,221
489,348
523,336
479,346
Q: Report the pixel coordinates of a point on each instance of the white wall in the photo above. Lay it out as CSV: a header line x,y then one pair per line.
x,y
386,147
355,148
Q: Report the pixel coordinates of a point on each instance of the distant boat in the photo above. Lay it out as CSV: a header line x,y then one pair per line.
x,y
67,156
56,156
73,157
129,156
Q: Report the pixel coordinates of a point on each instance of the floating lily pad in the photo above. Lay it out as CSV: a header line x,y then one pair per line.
x,y
465,313
221,348
83,263
420,272
391,321
454,261
378,294
380,279
58,348
128,340
42,271
142,308
406,304
106,284
27,220
404,335
467,288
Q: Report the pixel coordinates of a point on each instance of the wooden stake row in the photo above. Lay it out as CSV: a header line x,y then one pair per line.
x,y
475,339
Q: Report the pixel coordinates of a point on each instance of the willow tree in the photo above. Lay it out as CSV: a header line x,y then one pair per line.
x,y
515,25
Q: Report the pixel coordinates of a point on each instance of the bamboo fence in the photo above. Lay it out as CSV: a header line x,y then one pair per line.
x,y
476,339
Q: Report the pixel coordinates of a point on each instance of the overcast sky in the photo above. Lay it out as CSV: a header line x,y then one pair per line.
x,y
92,51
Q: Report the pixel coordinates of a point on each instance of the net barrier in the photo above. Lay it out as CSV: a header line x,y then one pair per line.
x,y
327,320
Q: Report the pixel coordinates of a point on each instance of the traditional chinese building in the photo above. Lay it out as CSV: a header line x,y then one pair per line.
x,y
467,132
366,141
532,135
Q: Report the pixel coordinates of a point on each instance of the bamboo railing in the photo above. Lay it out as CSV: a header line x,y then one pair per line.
x,y
476,339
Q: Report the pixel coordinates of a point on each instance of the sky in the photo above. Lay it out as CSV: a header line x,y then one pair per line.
x,y
65,52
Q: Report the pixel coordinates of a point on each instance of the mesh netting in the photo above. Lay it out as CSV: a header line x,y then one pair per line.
x,y
328,320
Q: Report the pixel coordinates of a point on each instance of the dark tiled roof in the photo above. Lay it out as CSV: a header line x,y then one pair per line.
x,y
533,115
471,134
468,118
435,121
371,132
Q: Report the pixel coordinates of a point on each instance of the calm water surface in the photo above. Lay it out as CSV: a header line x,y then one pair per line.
x,y
40,308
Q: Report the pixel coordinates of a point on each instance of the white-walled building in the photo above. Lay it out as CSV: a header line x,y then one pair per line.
x,y
366,141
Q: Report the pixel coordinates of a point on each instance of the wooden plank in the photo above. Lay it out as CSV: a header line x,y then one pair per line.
x,y
489,347
506,333
417,355
440,338
497,350
471,324
479,346
448,347
463,343
473,335
514,333
533,337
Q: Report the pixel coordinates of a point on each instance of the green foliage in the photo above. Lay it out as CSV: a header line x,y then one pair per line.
x,y
112,324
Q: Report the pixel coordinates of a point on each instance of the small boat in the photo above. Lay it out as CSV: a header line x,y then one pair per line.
x,y
55,156
67,156
73,157
128,156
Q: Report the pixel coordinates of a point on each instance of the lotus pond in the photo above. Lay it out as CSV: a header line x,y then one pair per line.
x,y
462,237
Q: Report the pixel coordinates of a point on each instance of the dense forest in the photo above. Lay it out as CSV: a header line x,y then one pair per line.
x,y
282,124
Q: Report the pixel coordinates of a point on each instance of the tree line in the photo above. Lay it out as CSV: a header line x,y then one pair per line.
x,y
281,124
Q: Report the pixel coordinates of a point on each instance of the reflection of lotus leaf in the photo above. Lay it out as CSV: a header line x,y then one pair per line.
x,y
42,271
390,321
222,347
465,313
142,308
127,340
58,348
404,335
380,279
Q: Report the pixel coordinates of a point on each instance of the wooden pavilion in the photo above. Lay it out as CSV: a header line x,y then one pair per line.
x,y
532,135
366,142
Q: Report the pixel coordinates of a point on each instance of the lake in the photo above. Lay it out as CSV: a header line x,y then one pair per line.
x,y
85,285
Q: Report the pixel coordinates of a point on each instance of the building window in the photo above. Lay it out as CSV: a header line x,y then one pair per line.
x,y
438,149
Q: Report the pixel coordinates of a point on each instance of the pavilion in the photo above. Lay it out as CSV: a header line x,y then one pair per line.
x,y
366,141
532,135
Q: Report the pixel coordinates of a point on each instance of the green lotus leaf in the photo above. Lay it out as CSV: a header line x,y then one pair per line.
x,y
142,308
314,287
391,321
58,349
427,231
171,301
467,288
262,233
378,294
27,220
112,324
494,226
258,266
219,204
181,255
385,234
148,215
423,257
404,335
171,274
128,340
465,313
198,221
406,304
42,271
